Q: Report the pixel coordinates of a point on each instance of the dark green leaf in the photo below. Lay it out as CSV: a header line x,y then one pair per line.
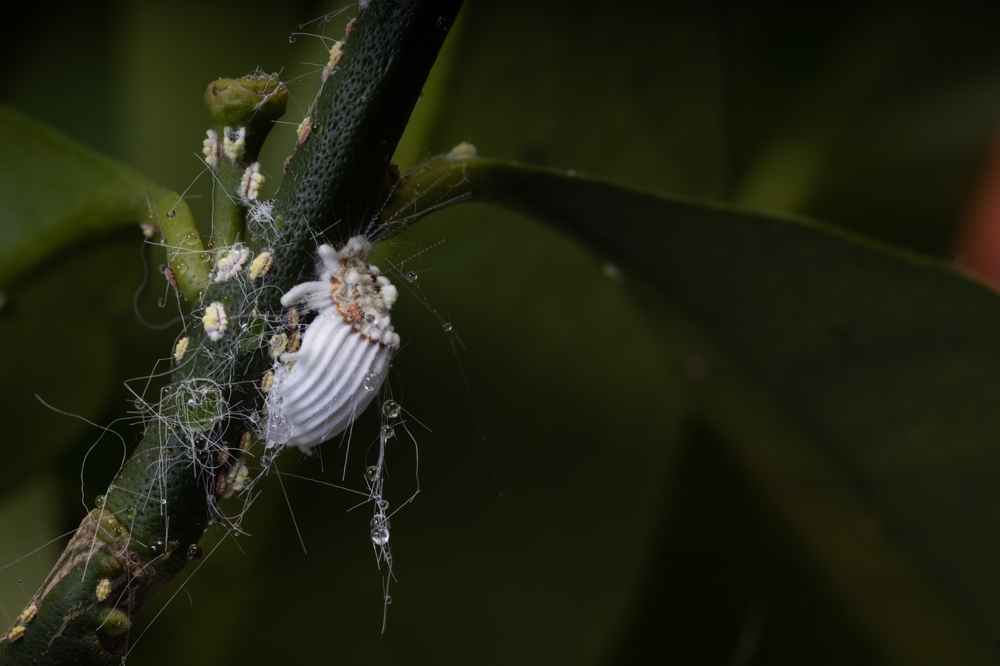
x,y
864,393
54,192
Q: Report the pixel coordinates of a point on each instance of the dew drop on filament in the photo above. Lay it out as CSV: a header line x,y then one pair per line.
x,y
380,535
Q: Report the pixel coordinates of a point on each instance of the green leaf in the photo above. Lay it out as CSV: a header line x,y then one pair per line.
x,y
75,338
856,384
54,192
844,116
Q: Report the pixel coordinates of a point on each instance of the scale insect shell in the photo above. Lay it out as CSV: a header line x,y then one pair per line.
x,y
319,389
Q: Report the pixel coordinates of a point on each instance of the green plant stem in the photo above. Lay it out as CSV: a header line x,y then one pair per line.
x,y
336,183
76,193
249,105
185,250
340,177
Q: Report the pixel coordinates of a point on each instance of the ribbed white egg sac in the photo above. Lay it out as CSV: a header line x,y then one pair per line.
x,y
319,390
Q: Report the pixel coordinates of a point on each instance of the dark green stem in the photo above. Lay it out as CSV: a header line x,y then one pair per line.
x,y
159,505
243,112
340,177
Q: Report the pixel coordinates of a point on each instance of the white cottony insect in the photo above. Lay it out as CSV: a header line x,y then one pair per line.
x,y
319,390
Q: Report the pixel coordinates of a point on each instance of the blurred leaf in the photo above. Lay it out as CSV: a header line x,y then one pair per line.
x,y
872,116
882,366
651,110
907,161
76,311
75,335
54,192
28,520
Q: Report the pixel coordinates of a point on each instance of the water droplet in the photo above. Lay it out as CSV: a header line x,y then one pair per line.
x,y
390,409
163,502
156,548
163,267
380,535
130,512
137,404
161,303
387,432
372,473
371,381
370,318
388,600
291,39
446,326
99,501
181,269
171,214
380,520
265,460
194,552
383,504
411,276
